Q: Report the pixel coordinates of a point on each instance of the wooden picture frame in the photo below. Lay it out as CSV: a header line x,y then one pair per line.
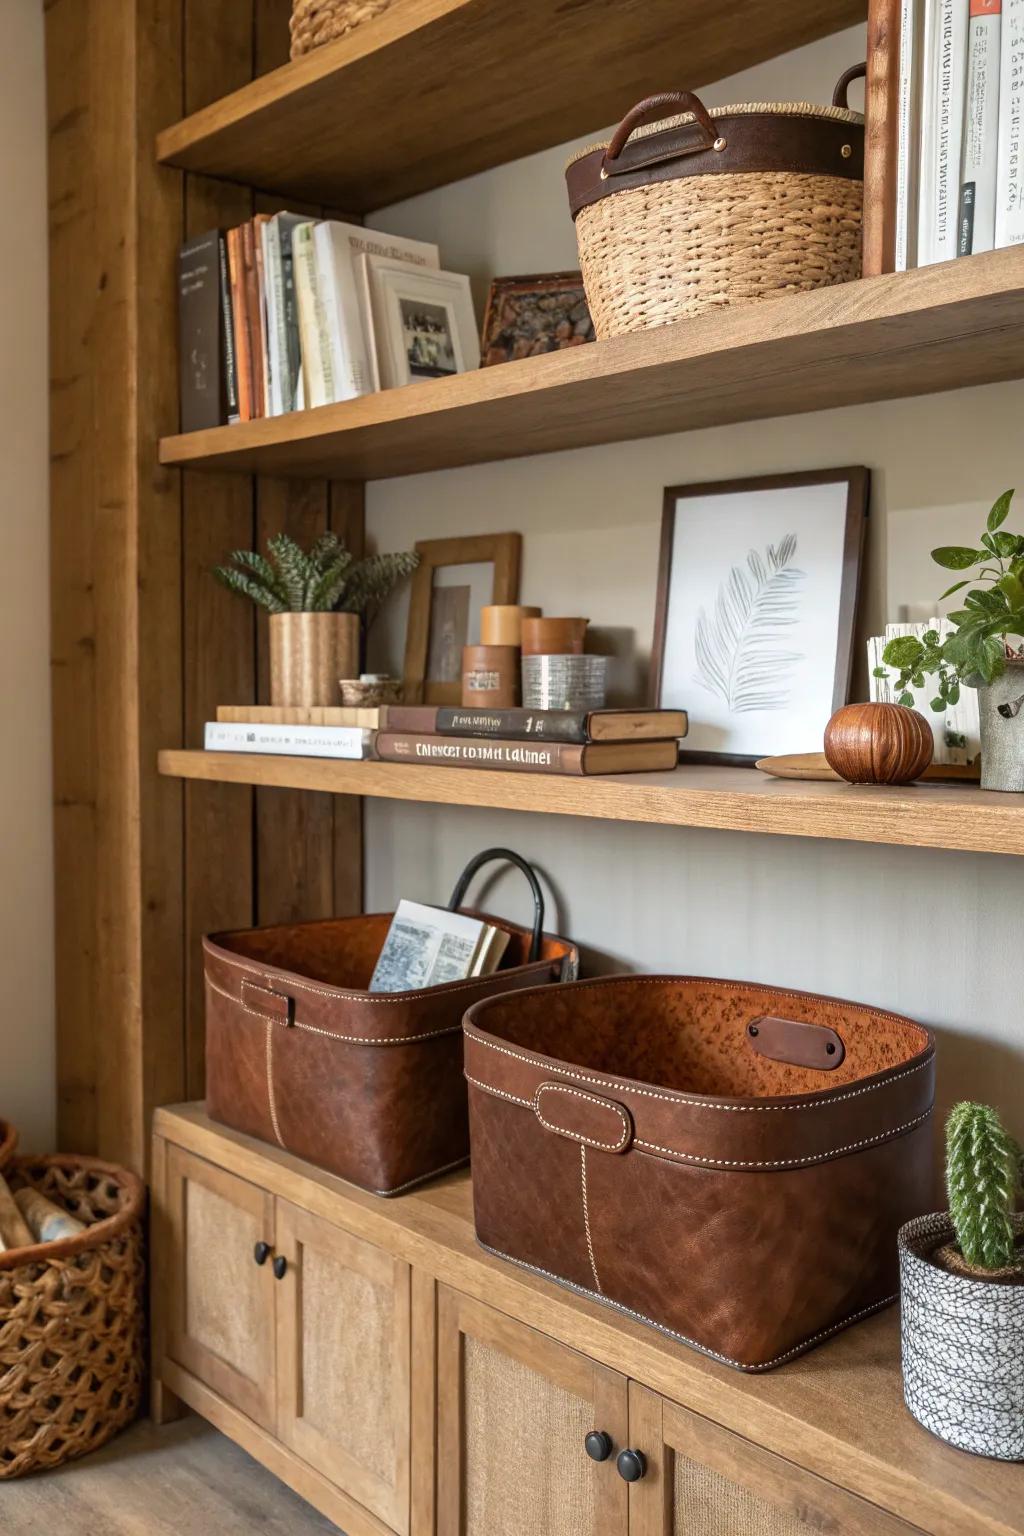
x,y
530,316
503,552
856,480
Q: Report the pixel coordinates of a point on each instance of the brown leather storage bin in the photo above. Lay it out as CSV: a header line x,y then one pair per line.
x,y
640,1140
366,1085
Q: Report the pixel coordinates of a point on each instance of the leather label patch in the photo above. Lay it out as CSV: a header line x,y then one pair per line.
x,y
801,1045
583,1117
268,1004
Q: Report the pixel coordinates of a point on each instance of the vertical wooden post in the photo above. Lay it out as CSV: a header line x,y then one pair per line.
x,y
881,122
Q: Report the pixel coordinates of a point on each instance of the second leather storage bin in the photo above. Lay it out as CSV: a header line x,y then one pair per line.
x,y
728,1162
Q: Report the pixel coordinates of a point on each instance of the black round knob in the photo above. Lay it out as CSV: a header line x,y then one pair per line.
x,y
280,1266
632,1465
598,1445
261,1253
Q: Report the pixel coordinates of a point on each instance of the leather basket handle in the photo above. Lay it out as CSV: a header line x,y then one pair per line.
x,y
667,104
506,855
840,96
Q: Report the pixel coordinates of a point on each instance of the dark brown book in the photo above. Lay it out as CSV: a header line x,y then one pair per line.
x,y
201,349
243,361
252,319
526,756
577,726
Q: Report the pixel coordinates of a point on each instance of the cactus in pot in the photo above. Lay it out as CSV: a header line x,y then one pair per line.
x,y
962,1292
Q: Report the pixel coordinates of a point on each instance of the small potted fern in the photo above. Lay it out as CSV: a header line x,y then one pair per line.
x,y
318,603
962,1285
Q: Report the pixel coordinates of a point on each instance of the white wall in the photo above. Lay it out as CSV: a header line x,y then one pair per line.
x,y
26,860
936,935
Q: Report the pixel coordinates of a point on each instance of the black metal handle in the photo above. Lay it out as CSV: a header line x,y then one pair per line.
x,y
631,1465
487,857
280,1267
261,1253
598,1445
846,79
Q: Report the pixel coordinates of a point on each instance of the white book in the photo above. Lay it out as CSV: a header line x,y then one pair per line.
x,y
979,161
282,315
943,88
317,369
908,135
348,326
956,730
432,947
1010,165
340,741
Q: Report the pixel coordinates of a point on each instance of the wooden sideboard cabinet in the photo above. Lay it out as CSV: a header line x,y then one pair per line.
x,y
403,1380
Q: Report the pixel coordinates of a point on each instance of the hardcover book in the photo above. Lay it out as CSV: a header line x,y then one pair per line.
x,y
250,282
430,947
942,115
977,215
200,340
314,341
285,358
1010,171
289,740
243,363
227,323
578,726
527,756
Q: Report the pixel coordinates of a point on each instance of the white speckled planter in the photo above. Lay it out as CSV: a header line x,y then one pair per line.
x,y
963,1348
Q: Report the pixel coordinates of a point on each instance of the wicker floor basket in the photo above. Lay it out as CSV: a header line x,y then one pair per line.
x,y
315,22
71,1318
706,210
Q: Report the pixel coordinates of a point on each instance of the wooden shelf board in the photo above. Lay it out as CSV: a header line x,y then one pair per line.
x,y
729,799
904,333
434,90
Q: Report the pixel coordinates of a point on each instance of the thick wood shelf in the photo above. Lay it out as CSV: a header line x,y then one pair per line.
x,y
905,333
729,799
434,90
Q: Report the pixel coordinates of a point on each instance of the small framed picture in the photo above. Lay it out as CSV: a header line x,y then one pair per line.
x,y
527,316
454,580
422,321
757,597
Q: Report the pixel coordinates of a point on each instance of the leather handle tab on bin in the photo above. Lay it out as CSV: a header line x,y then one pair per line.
x,y
583,1117
800,1045
269,1005
652,109
488,856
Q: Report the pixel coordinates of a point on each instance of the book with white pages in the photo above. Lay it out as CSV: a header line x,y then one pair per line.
x,y
341,741
980,151
1010,166
431,947
944,83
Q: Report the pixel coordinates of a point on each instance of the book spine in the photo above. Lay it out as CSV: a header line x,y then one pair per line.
x,y
906,138
316,368
944,61
518,724
271,273
199,341
241,327
228,335
352,366
1010,175
472,752
289,740
328,287
252,316
291,315
977,211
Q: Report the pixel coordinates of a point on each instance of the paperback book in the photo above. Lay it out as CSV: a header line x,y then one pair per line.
x,y
289,740
977,213
431,947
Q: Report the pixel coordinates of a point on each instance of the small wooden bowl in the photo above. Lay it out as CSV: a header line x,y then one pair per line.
x,y
878,744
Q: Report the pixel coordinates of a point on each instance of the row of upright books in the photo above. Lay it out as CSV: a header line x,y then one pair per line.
x,y
561,741
960,130
276,315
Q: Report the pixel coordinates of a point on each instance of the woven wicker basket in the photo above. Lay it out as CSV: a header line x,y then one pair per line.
x,y
8,1142
71,1318
315,22
706,210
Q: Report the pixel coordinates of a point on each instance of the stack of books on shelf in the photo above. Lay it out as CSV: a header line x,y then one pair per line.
x,y
560,741
960,129
276,315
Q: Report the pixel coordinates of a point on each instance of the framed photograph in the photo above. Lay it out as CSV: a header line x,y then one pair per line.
x,y
422,322
757,596
454,580
527,316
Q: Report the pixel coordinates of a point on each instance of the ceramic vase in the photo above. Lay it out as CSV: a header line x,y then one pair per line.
x,y
1001,711
309,653
963,1347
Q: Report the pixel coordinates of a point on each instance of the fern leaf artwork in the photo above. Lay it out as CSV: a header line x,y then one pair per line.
x,y
739,646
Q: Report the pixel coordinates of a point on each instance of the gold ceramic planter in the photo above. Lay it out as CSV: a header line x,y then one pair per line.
x,y
309,652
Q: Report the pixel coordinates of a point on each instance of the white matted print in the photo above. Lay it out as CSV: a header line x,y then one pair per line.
x,y
423,322
756,602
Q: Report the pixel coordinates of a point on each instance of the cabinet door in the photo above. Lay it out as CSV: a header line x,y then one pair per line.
x,y
703,1480
343,1361
221,1301
514,1409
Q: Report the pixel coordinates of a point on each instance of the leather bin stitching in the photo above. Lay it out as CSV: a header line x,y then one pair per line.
x,y
588,1098
270,1077
330,1034
586,1216
368,997
421,1178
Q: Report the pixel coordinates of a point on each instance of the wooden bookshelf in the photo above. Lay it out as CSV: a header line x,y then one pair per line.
x,y
960,817
903,333
434,90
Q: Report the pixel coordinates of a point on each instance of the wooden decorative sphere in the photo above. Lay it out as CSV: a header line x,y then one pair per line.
x,y
878,744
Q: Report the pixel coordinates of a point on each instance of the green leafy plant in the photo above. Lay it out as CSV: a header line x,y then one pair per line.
x,y
982,1179
328,578
975,653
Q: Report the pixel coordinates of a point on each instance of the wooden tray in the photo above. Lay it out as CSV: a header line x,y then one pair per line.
x,y
813,765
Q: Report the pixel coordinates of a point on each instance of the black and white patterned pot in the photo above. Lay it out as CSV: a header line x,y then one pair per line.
x,y
963,1348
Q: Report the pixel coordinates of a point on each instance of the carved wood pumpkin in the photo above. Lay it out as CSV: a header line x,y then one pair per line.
x,y
878,743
